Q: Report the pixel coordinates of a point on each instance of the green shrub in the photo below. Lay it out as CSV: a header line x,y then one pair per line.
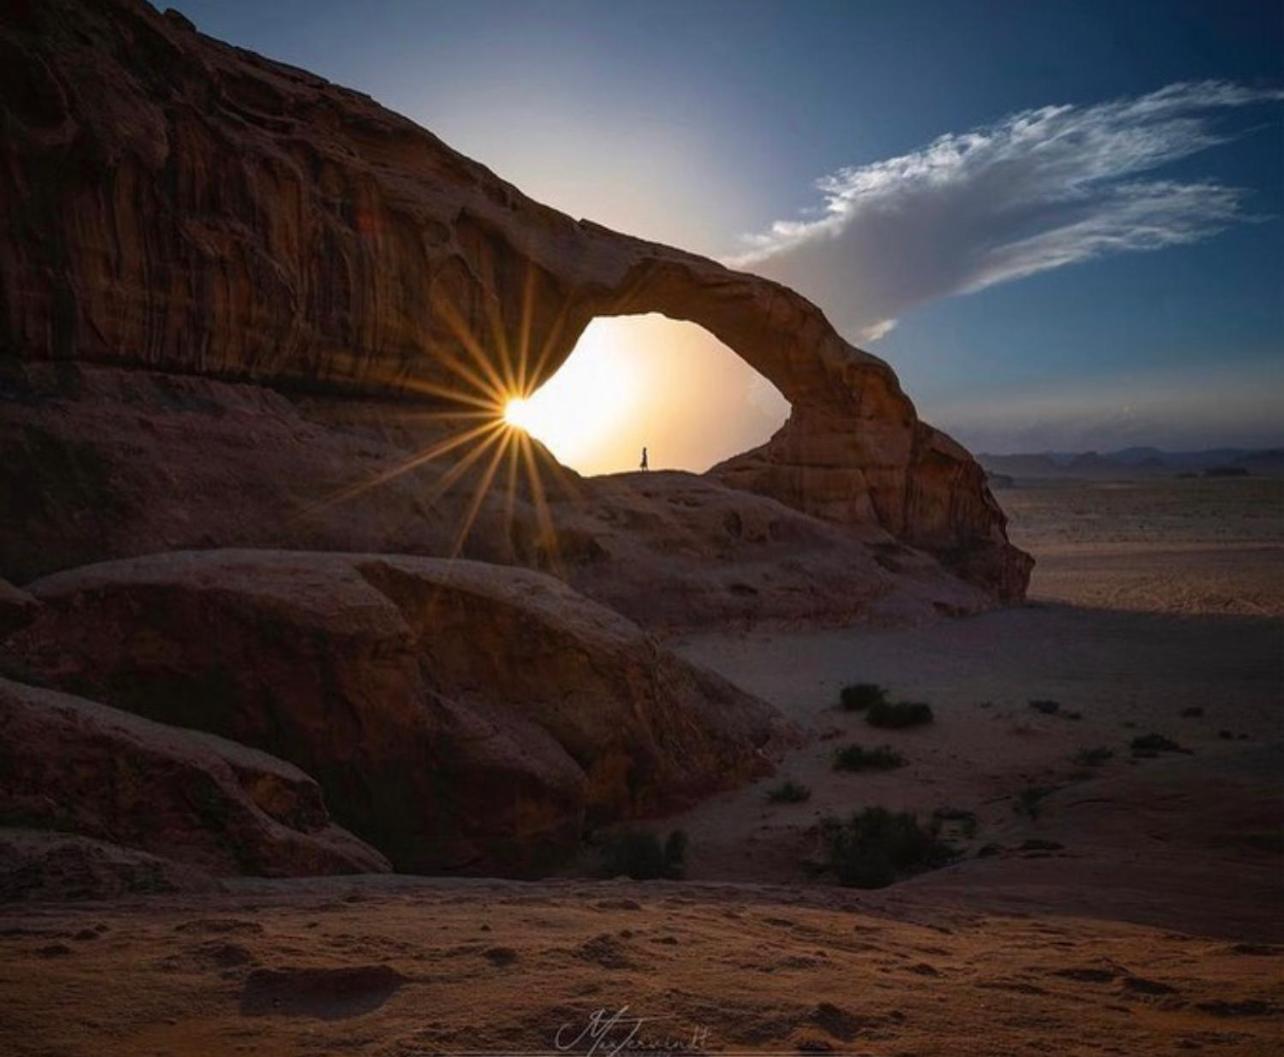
x,y
899,715
1093,757
639,854
875,847
860,696
857,758
788,792
1153,744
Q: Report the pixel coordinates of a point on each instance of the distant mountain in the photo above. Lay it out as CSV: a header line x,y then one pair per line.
x,y
1136,462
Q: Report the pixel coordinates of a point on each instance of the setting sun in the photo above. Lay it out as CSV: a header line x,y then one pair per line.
x,y
516,412
586,410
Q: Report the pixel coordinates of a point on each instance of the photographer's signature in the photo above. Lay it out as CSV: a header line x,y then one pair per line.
x,y
609,1032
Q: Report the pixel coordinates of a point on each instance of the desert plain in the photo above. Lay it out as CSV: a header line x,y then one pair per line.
x,y
1130,905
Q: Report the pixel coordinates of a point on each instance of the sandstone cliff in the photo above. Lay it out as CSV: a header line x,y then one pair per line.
x,y
178,205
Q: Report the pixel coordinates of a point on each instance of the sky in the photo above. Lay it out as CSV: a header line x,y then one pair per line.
x,y
1060,222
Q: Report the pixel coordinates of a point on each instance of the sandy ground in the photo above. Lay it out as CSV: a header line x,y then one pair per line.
x,y
1125,634
1146,917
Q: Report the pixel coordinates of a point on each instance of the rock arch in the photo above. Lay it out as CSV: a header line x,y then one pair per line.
x,y
228,216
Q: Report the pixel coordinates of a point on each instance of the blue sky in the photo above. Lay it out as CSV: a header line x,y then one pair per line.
x,y
703,123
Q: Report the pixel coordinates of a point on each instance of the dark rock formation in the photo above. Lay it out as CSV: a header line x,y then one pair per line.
x,y
16,607
457,715
44,865
98,461
179,205
82,768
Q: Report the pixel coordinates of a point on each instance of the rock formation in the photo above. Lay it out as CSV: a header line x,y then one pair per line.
x,y
182,206
243,307
458,716
46,865
99,461
78,767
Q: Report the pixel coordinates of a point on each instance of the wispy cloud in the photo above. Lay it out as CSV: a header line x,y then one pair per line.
x,y
1038,190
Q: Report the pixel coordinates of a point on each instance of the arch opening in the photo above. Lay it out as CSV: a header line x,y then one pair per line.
x,y
649,381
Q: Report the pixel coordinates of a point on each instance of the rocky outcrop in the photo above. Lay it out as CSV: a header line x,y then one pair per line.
x,y
45,865
457,715
104,461
82,768
176,204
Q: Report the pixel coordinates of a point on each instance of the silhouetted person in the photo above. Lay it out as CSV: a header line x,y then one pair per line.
x,y
644,465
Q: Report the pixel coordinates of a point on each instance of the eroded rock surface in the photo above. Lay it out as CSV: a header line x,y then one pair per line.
x,y
82,768
457,715
40,865
184,206
101,461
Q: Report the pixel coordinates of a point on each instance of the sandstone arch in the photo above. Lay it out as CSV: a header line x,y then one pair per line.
x,y
219,214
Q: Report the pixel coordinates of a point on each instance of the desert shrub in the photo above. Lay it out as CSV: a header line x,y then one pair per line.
x,y
788,792
1048,708
874,847
899,715
858,758
1093,757
1029,802
1152,744
859,696
964,819
640,855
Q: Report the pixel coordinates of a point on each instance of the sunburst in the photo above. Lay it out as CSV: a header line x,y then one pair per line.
x,y
483,407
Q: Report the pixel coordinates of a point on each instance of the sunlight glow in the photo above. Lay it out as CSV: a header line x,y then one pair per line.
x,y
634,381
591,399
630,381
517,413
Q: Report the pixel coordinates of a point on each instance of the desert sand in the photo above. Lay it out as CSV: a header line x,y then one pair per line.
x,y
1138,913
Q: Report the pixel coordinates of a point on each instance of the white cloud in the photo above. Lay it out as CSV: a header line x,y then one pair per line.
x,y
878,330
1038,190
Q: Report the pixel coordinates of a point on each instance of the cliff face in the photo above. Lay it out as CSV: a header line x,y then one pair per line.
x,y
174,204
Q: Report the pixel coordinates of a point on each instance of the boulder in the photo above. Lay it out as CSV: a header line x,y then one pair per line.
x,y
44,865
458,715
82,768
191,208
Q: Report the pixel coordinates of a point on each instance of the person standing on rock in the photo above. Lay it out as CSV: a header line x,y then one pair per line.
x,y
644,465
